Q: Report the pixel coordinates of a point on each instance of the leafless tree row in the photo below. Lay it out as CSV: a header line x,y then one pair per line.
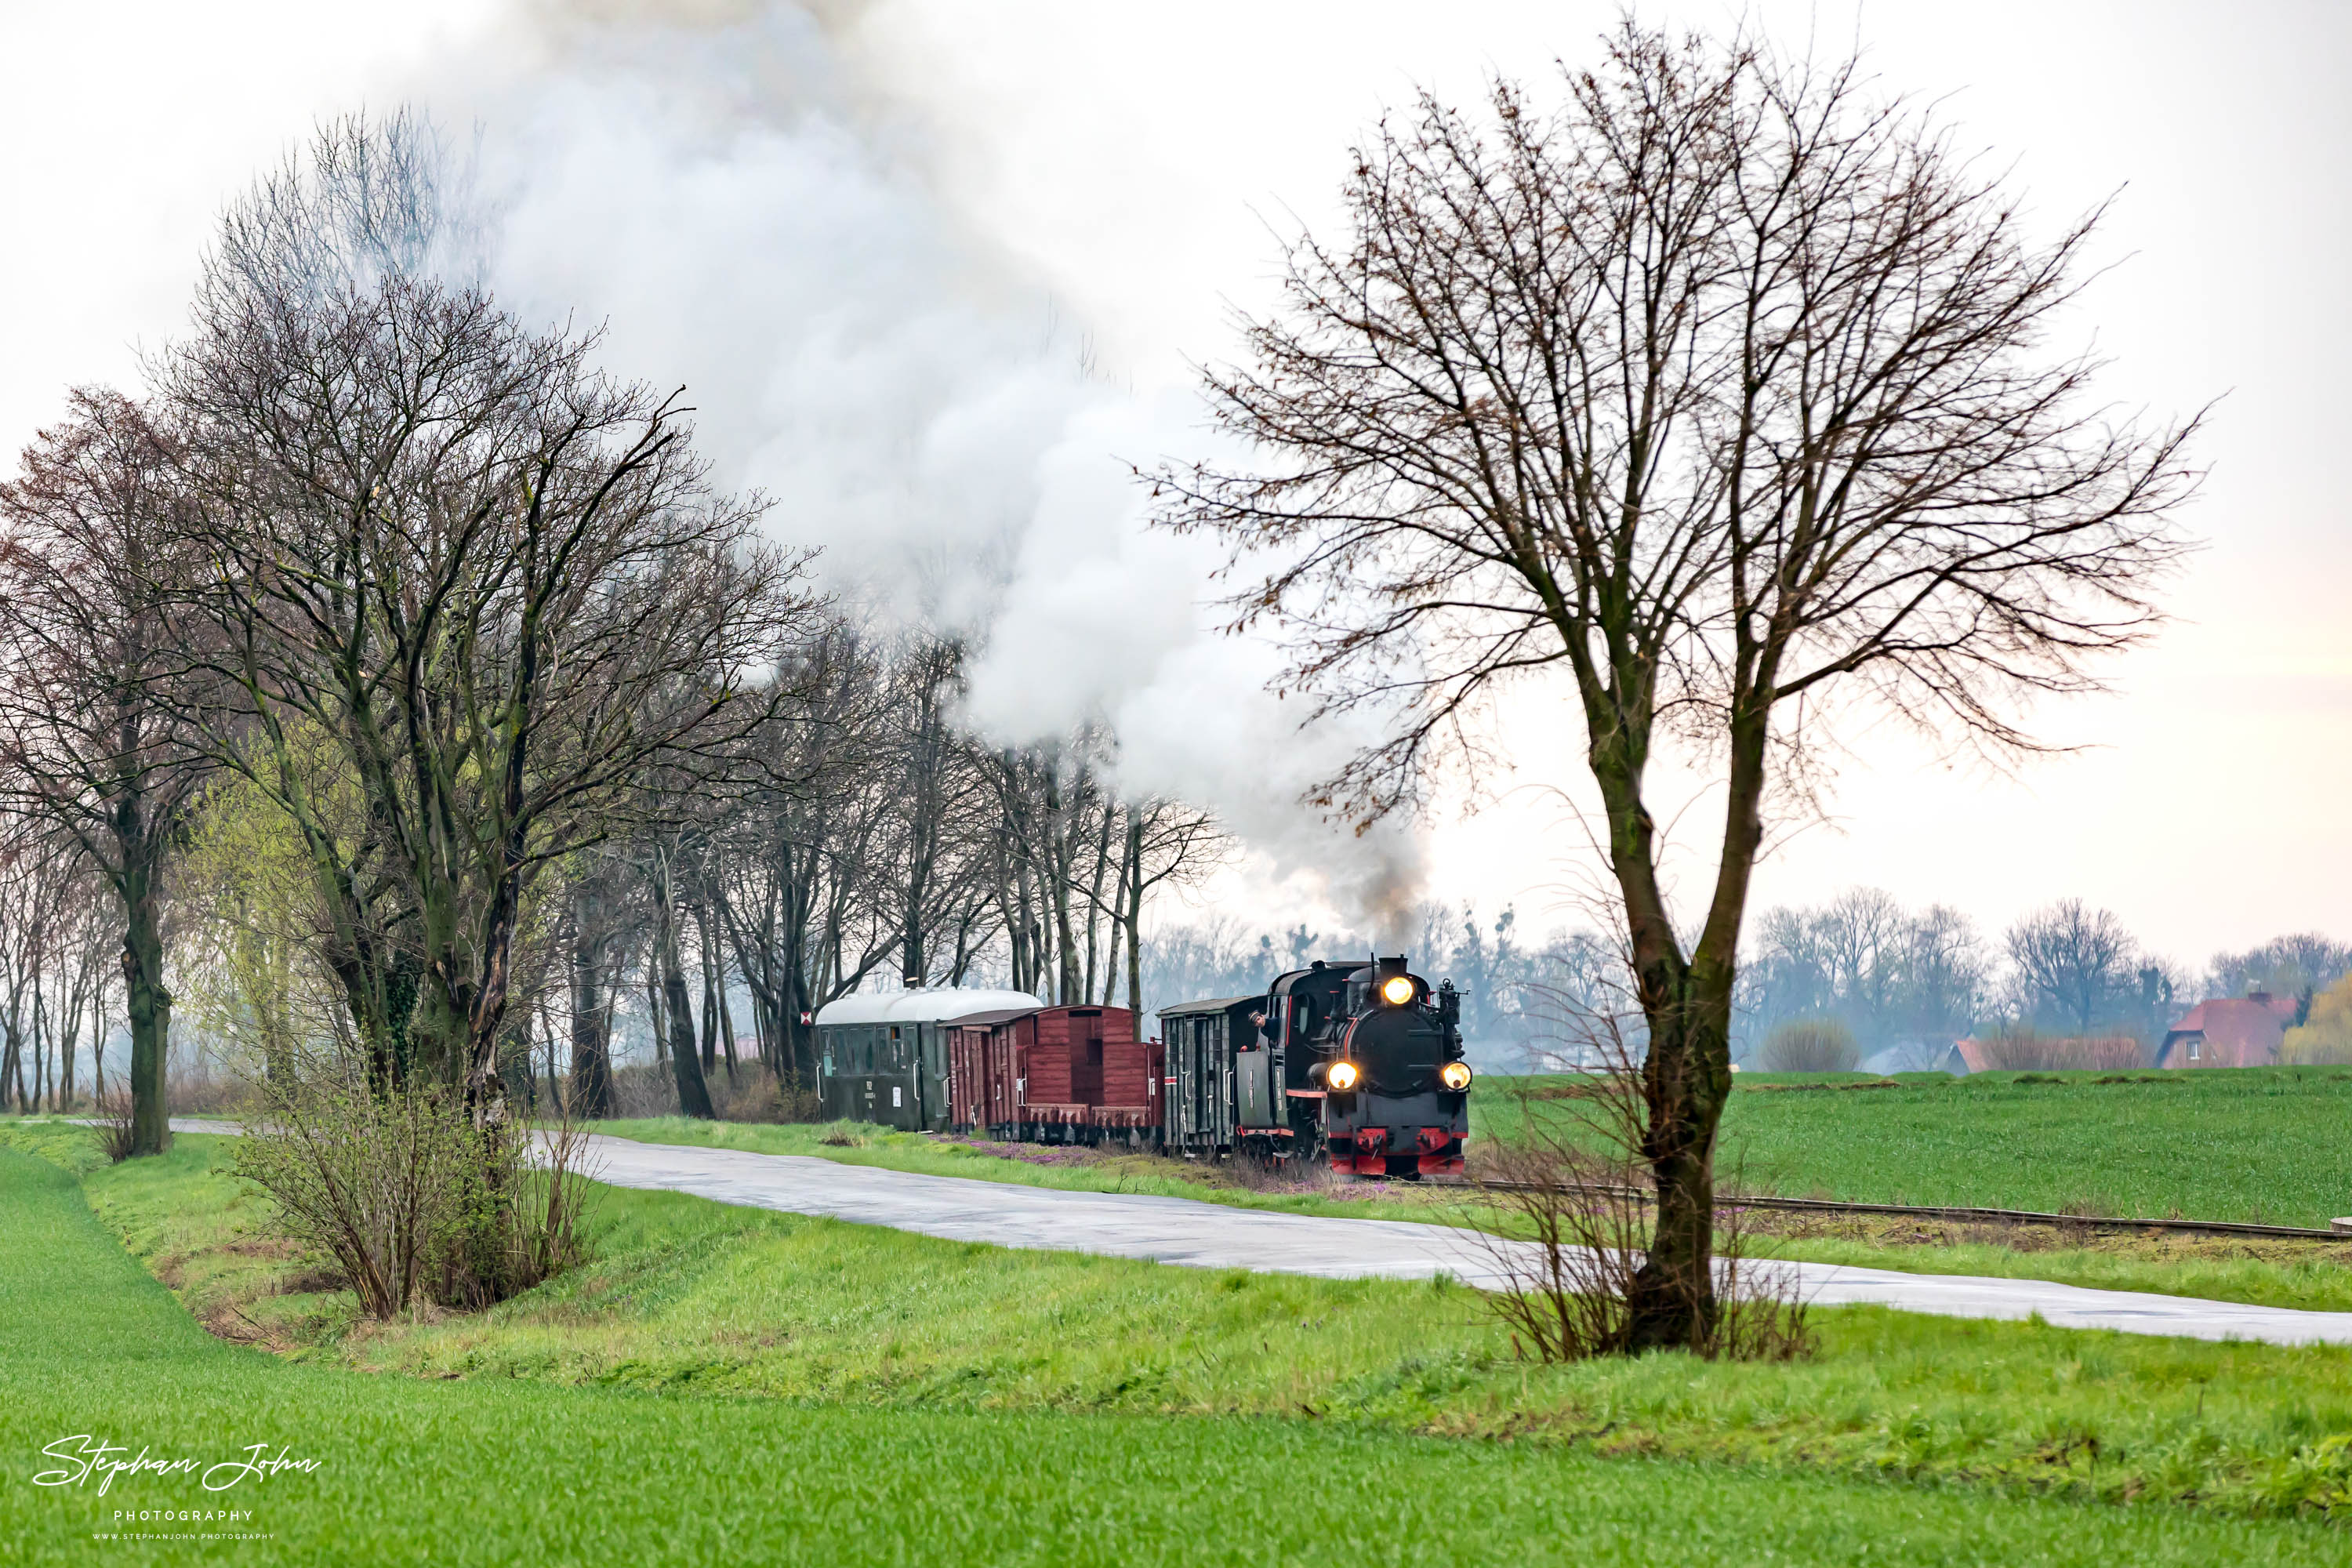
x,y
421,670
56,973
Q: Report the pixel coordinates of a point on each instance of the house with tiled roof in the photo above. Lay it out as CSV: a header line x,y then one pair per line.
x,y
2229,1032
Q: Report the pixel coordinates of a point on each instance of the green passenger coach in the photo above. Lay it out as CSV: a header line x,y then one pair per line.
x,y
884,1059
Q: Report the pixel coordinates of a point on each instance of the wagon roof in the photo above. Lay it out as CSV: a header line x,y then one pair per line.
x,y
1216,1006
1001,1016
934,1005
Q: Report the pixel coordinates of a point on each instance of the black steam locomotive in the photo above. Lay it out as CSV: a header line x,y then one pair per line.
x,y
1359,1063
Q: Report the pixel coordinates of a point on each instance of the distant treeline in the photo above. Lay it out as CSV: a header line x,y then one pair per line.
x,y
1898,977
1904,981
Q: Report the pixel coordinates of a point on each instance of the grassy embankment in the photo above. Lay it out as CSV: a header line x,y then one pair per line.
x,y
2210,1145
998,1370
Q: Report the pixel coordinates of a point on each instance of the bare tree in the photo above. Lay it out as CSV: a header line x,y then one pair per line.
x,y
797,893
89,745
666,970
2073,965
1167,844
1721,391
489,586
934,805
2299,965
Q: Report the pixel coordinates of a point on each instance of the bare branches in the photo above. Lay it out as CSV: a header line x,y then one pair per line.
x,y
487,587
1720,384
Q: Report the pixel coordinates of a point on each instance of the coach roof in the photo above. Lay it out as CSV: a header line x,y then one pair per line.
x,y
1217,1005
934,1005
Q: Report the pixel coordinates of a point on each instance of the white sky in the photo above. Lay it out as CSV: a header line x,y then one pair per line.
x,y
1132,153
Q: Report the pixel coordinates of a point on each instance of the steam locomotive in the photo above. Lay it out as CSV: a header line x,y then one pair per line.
x,y
1353,1062
1357,1062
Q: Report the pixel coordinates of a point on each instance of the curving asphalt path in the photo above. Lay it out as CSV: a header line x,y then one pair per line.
x,y
1212,1236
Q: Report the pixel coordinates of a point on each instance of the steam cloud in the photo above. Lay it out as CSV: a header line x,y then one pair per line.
x,y
747,208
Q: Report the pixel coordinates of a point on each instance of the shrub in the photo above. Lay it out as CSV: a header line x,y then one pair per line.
x,y
408,1196
208,1093
2324,1038
1810,1044
111,1123
754,1094
2021,1047
643,1089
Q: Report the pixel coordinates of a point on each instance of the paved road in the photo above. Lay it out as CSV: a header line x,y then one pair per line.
x,y
1212,1235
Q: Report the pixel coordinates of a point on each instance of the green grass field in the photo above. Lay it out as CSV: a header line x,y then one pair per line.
x,y
2267,1145
731,1381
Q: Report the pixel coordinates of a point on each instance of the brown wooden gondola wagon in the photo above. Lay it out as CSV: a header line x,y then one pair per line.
x,y
1057,1075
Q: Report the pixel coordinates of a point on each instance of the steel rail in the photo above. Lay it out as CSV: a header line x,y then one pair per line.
x,y
1982,1216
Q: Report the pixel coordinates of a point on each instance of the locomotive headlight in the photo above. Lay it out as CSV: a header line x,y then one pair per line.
x,y
1342,1076
1454,1075
1396,990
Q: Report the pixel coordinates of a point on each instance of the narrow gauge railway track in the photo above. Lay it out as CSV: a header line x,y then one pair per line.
x,y
1990,1217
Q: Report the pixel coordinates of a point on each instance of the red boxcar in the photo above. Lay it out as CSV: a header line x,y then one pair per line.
x,y
983,1091
1067,1074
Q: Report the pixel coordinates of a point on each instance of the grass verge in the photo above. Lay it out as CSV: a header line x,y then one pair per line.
x,y
693,1298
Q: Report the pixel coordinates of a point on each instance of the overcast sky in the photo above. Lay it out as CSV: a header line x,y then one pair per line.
x,y
1124,162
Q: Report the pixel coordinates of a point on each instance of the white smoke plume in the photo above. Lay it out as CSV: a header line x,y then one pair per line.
x,y
733,191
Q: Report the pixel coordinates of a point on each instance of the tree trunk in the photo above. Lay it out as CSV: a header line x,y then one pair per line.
x,y
68,1044
656,1015
1094,905
712,986
1135,921
517,1081
725,1020
1672,1301
98,1044
40,1040
150,1007
591,1020
686,1062
554,1092
1686,1003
